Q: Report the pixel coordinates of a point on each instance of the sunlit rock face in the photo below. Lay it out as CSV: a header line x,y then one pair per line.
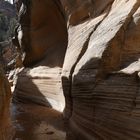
x,y
6,130
100,73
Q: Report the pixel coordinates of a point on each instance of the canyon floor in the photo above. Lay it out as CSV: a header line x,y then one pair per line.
x,y
34,122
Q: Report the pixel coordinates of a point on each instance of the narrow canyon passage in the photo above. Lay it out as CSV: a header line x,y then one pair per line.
x,y
76,74
42,35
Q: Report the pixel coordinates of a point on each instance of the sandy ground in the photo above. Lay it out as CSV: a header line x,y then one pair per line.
x,y
34,122
30,122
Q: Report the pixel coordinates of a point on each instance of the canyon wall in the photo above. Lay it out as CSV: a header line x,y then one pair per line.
x,y
42,36
6,129
89,52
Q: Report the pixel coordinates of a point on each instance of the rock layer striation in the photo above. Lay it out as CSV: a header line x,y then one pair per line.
x,y
89,52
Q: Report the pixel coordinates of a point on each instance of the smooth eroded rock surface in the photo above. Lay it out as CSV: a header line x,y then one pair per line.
x,y
101,85
42,37
89,52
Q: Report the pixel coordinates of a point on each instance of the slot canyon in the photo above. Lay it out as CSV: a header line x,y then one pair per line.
x,y
76,74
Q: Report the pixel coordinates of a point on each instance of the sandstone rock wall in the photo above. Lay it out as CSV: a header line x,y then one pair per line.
x,y
103,92
6,129
42,36
100,73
